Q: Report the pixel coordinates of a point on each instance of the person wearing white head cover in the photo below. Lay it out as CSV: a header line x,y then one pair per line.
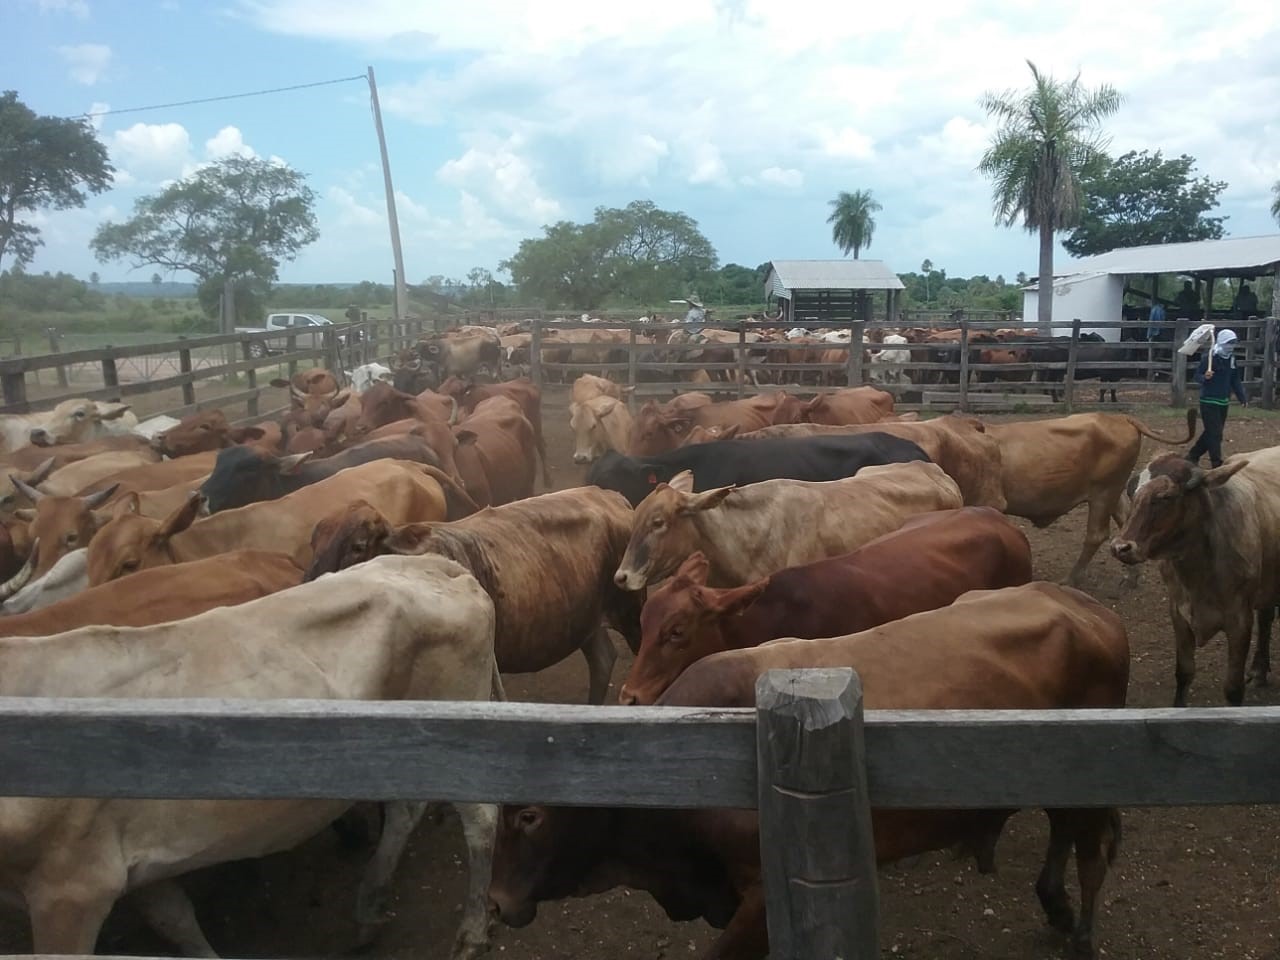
x,y
1219,377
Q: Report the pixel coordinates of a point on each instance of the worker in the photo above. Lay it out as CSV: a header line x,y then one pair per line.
x,y
1187,302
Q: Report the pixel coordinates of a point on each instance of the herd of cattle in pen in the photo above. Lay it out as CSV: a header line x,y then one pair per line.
x,y
379,544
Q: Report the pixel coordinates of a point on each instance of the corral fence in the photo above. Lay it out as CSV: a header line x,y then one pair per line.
x,y
215,364
806,758
983,364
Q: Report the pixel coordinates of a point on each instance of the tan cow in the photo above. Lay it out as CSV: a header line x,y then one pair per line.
x,y
1049,467
599,424
657,428
849,406
55,527
588,386
750,532
402,491
156,476
100,468
428,636
71,421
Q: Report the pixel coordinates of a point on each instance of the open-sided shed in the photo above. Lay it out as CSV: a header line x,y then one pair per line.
x,y
830,291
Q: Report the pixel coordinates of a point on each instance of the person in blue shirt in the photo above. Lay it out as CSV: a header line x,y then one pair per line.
x,y
1155,322
1216,387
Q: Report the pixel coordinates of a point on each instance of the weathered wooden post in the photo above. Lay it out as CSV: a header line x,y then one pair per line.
x,y
817,850
535,353
1069,377
1269,363
110,377
332,358
13,383
963,402
855,356
631,369
1178,377
54,347
742,358
290,345
251,377
184,366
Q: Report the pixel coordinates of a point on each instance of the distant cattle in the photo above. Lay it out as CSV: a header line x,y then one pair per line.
x,y
1034,647
750,532
741,462
1215,536
658,428
932,559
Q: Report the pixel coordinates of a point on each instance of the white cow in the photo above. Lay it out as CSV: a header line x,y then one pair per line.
x,y
366,375
886,363
428,636
66,578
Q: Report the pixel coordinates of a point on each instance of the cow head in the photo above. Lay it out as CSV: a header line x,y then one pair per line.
x,y
243,475
352,535
195,433
309,388
12,498
544,853
77,421
1169,504
656,430
130,542
598,425
680,624
59,524
367,374
664,532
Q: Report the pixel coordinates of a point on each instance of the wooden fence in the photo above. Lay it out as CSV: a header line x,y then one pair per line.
x,y
341,347
805,757
956,373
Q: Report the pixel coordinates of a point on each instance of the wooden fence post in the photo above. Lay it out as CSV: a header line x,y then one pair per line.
x,y
535,354
1269,364
1178,376
251,378
963,402
742,358
817,850
855,356
631,369
290,345
14,388
332,357
110,377
184,366
55,348
1069,376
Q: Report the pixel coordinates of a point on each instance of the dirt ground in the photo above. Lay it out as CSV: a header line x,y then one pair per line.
x,y
1191,884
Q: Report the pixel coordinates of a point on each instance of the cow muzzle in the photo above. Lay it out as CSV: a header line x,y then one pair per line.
x,y
1127,551
580,456
632,580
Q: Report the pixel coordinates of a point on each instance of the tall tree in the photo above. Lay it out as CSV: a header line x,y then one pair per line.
x,y
1048,136
852,221
1275,203
926,268
46,163
94,278
235,220
1142,198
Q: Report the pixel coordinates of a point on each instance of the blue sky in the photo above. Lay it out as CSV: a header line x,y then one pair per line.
x,y
748,115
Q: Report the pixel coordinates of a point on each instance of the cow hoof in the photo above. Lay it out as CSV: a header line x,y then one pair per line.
x,y
466,948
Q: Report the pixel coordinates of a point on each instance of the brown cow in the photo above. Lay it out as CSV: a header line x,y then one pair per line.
x,y
926,564
30,457
1051,466
599,424
547,562
958,443
656,430
156,476
750,532
588,386
74,477
56,526
163,594
497,452
402,491
850,406
523,391
1215,536
1034,647
310,388
383,404
207,430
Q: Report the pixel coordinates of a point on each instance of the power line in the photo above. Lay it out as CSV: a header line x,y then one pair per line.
x,y
230,96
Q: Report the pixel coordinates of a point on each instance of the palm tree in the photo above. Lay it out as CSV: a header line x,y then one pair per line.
x,y
1275,204
852,223
1048,134
926,268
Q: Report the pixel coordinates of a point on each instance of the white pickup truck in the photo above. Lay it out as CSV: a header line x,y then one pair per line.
x,y
303,325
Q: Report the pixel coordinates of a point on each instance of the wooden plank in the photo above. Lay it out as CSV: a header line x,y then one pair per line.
x,y
14,388
110,376
964,365
55,347
251,378
855,355
636,756
817,850
188,388
535,355
228,400
742,360
631,369
1269,364
1069,377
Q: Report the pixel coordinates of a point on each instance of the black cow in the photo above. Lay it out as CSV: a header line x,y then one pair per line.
x,y
1093,350
243,475
726,463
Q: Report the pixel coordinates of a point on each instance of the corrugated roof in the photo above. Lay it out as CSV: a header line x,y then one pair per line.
x,y
788,275
1230,257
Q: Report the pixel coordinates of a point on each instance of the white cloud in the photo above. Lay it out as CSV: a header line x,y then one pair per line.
x,y
496,172
352,213
227,142
87,61
790,178
95,111
151,152
77,8
847,144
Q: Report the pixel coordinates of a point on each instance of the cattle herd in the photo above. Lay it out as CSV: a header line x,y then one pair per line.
x,y
386,540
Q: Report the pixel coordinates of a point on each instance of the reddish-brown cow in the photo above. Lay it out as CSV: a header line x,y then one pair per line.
x,y
523,391
56,526
497,453
383,404
849,406
656,429
930,561
209,430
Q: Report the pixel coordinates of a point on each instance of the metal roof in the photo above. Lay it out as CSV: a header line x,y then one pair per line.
x,y
1233,257
787,275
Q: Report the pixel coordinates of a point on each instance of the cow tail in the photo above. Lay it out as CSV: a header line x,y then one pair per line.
x,y
454,494
1146,431
1114,833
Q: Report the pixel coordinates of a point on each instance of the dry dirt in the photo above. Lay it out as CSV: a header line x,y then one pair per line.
x,y
1191,884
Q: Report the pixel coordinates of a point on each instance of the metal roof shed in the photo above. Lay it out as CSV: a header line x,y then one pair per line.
x,y
830,291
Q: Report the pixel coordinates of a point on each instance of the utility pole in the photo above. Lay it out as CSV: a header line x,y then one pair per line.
x,y
401,299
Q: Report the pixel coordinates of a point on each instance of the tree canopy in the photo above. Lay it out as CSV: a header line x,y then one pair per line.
x,y
1048,137
1275,202
237,219
46,163
1140,198
637,254
852,220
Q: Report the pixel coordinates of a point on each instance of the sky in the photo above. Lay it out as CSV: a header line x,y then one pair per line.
x,y
748,115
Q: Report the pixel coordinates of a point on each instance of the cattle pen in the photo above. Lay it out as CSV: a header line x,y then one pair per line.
x,y
806,758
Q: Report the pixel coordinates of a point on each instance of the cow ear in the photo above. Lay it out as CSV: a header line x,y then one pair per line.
x,y
247,434
126,505
695,569
1220,475
730,602
411,539
289,465
181,518
707,500
682,482
112,411
464,437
